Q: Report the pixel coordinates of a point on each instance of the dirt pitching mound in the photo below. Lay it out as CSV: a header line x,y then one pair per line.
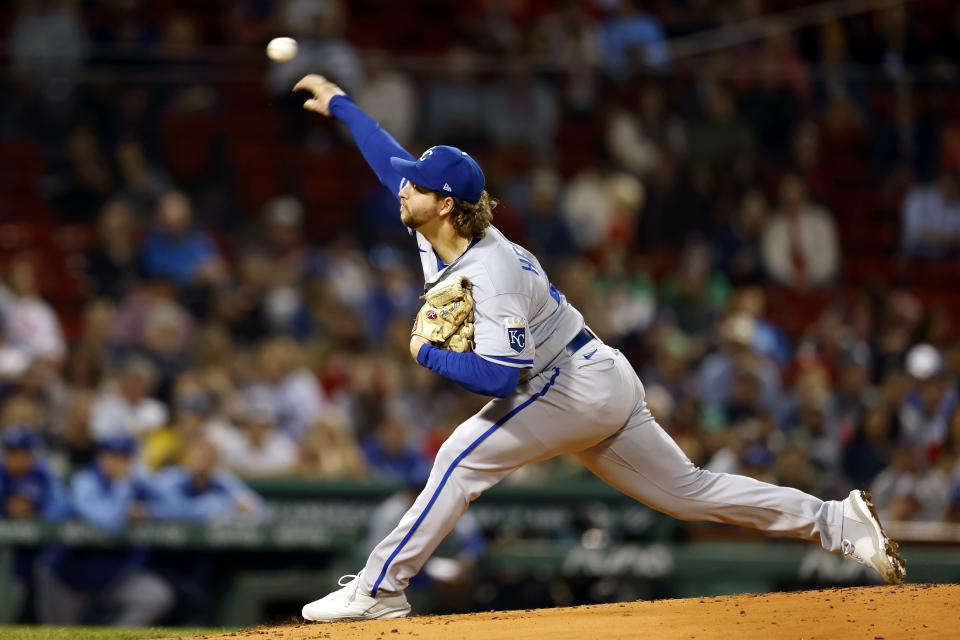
x,y
873,613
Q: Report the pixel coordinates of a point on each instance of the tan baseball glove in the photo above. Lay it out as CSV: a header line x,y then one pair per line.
x,y
446,317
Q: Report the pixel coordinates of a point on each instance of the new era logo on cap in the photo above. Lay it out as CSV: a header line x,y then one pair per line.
x,y
446,187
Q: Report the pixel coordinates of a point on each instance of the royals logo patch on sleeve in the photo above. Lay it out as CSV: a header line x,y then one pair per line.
x,y
517,334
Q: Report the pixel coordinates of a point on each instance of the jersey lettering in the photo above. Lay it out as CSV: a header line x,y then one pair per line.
x,y
525,263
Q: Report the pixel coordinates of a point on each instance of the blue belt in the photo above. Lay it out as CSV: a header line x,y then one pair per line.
x,y
579,340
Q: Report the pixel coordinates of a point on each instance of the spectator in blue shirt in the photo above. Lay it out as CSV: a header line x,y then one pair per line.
x,y
28,490
388,455
75,583
633,40
177,252
202,491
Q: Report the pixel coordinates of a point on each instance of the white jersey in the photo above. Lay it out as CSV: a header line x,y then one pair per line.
x,y
520,318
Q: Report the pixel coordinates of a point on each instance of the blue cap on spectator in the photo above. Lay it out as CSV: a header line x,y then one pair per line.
x,y
122,444
20,438
446,170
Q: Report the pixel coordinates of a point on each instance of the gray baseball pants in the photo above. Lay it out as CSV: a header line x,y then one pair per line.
x,y
590,404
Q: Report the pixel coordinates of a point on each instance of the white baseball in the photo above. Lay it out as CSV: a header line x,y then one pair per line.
x,y
282,49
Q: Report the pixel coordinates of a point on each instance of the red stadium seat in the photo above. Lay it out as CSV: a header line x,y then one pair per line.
x,y
189,140
22,167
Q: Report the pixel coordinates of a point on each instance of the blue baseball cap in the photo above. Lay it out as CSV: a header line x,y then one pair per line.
x,y
121,444
444,169
20,438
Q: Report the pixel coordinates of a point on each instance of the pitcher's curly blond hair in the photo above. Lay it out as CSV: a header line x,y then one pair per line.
x,y
472,219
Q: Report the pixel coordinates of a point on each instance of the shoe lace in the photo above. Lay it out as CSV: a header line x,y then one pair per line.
x,y
346,580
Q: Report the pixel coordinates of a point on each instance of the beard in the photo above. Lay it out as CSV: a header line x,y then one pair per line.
x,y
413,220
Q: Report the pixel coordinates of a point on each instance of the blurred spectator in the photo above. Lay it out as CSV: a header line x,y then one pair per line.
x,y
735,361
931,218
549,237
20,410
54,69
142,183
695,293
28,490
175,251
907,491
91,349
640,132
738,244
166,341
769,340
283,236
329,451
193,409
811,427
721,141
74,437
520,110
926,411
295,395
836,78
778,81
793,468
895,46
388,96
569,38
800,242
79,188
633,40
246,307
204,492
112,264
125,405
30,324
73,584
389,457
453,103
255,447
14,360
869,452
601,209
668,369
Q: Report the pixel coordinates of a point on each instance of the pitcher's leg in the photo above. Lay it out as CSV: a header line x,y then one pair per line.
x,y
545,419
644,462
479,453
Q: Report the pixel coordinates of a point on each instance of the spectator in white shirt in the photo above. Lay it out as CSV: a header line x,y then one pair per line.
x,y
255,447
31,325
126,406
800,245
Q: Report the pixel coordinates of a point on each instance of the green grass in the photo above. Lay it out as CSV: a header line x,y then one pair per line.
x,y
100,633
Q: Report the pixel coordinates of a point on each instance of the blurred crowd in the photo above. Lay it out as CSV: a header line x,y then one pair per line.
x,y
739,223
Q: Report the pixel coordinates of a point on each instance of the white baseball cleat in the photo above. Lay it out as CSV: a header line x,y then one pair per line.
x,y
349,603
865,541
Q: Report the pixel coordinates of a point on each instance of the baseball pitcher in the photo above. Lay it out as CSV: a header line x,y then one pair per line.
x,y
493,322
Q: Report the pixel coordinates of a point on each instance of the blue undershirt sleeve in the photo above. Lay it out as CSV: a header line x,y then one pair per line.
x,y
376,145
470,371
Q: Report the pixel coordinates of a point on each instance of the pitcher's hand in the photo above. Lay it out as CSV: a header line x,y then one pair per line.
x,y
322,90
